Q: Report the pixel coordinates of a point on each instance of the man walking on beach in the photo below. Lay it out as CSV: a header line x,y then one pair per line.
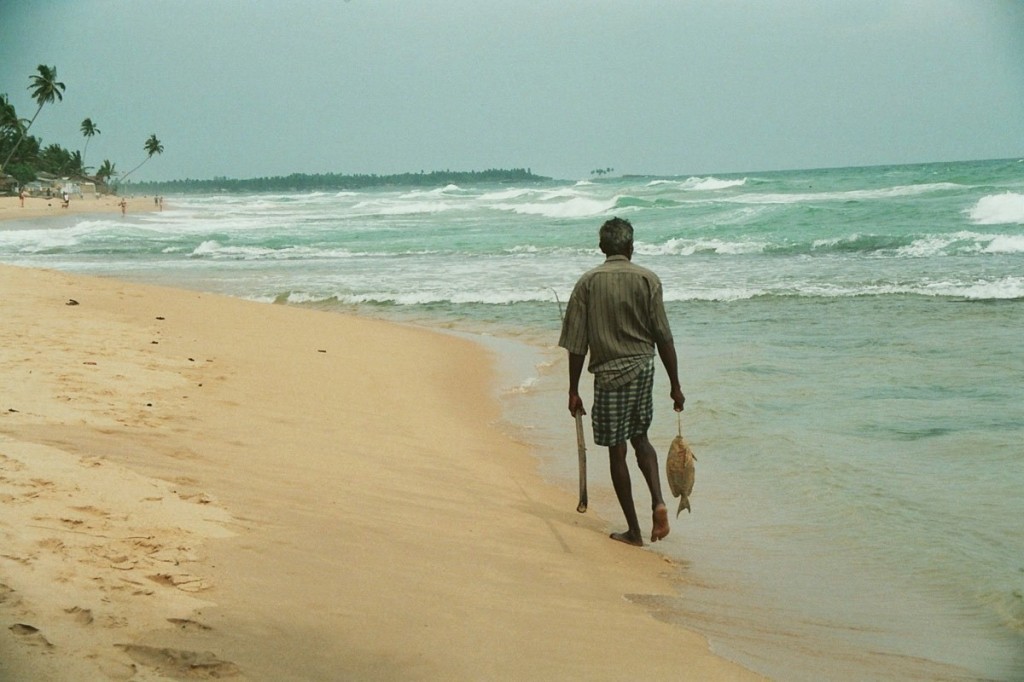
x,y
616,312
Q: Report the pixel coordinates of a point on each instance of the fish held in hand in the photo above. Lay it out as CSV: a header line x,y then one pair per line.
x,y
680,471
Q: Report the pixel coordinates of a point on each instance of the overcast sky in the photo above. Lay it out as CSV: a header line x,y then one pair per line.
x,y
247,89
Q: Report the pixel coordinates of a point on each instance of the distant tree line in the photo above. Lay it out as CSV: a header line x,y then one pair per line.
x,y
304,182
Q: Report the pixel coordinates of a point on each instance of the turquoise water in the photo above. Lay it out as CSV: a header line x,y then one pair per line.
x,y
850,345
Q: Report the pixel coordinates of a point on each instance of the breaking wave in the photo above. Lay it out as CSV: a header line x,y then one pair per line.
x,y
998,209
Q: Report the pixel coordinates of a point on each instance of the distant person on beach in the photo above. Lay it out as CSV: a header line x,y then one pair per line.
x,y
22,197
616,313
65,200
124,206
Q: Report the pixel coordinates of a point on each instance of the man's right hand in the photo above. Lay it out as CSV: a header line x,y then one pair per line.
x,y
576,404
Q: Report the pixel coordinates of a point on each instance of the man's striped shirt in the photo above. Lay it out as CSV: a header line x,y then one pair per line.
x,y
616,312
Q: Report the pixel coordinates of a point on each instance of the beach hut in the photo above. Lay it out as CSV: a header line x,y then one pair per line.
x,y
52,185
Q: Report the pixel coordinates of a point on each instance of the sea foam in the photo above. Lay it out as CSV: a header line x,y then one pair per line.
x,y
576,207
699,184
998,209
711,183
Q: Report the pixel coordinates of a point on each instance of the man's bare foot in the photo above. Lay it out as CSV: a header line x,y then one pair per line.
x,y
628,538
660,529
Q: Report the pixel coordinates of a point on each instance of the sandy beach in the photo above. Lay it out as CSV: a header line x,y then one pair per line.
x,y
194,486
42,207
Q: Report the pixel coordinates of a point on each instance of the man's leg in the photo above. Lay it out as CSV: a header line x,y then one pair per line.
x,y
647,460
624,491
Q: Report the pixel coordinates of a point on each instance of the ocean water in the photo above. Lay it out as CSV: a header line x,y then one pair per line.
x,y
851,344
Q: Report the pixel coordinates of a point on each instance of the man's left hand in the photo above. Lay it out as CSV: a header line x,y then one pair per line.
x,y
678,399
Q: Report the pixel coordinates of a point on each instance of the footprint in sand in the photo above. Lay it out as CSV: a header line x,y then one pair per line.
x,y
52,544
7,596
9,464
198,497
116,670
30,635
89,509
23,560
80,615
183,581
189,625
180,663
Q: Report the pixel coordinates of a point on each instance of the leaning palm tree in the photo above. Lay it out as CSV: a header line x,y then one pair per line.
x,y
88,129
153,146
45,89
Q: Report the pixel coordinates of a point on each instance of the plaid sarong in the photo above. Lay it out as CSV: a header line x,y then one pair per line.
x,y
619,414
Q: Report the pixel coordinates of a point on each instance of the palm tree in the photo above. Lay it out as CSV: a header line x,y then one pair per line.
x,y
88,129
152,146
45,89
59,161
8,116
10,124
106,171
76,165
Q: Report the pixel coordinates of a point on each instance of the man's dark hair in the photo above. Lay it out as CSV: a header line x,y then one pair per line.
x,y
616,237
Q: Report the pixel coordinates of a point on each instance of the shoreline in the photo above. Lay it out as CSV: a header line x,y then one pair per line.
x,y
41,207
371,523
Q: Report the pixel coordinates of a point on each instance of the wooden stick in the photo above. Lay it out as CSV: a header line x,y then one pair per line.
x,y
581,450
